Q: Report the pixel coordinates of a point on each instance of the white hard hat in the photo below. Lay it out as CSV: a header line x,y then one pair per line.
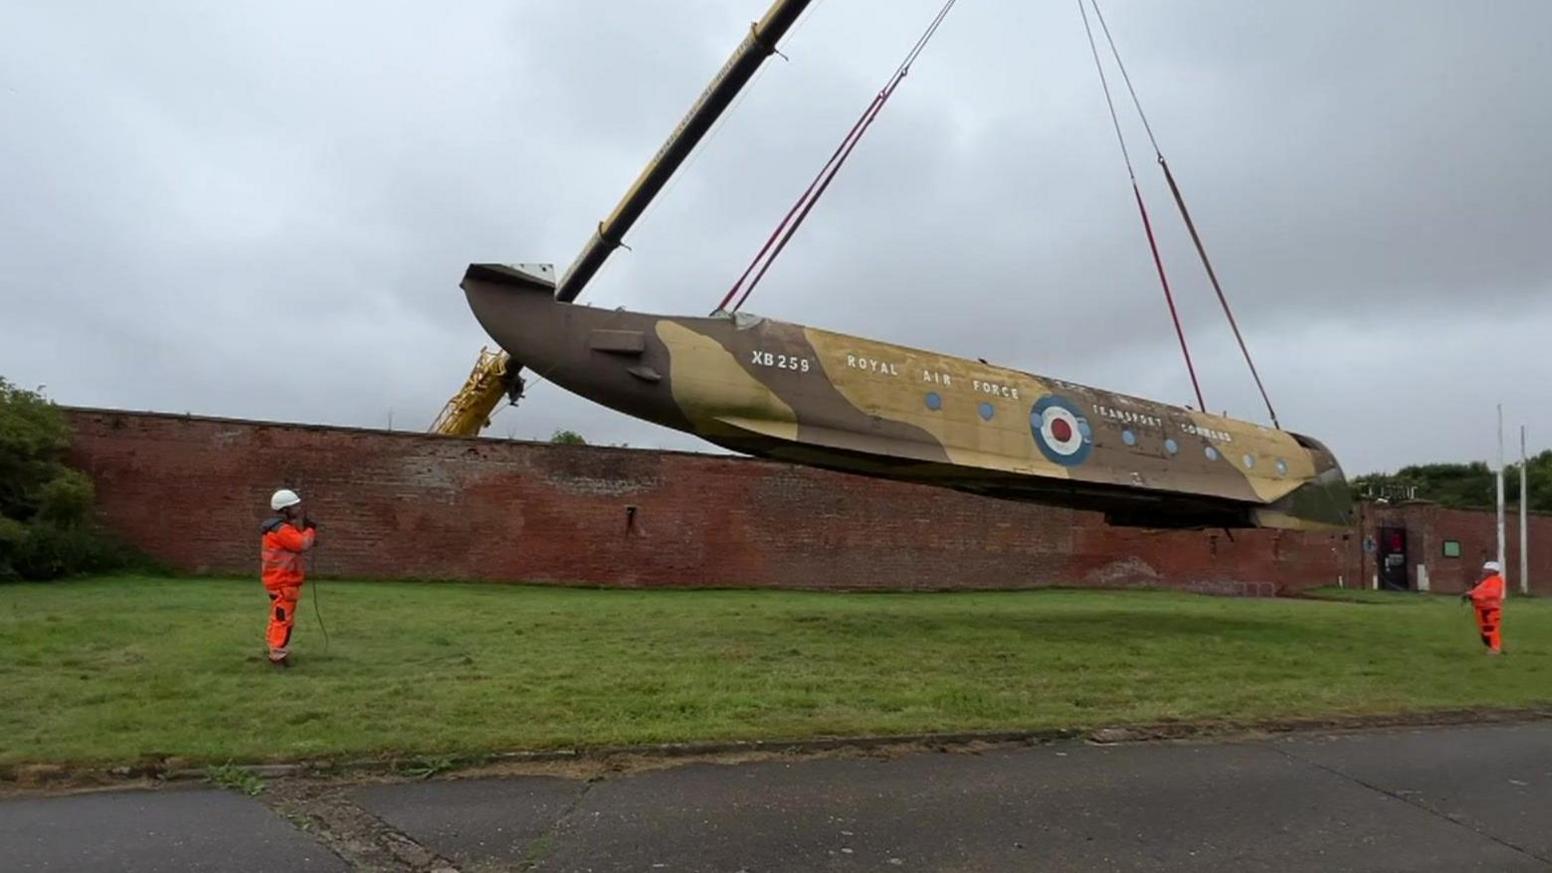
x,y
1491,567
283,498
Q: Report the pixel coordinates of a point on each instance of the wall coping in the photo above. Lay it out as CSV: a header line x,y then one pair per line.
x,y
725,457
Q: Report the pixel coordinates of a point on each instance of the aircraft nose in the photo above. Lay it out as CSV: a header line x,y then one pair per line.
x,y
517,309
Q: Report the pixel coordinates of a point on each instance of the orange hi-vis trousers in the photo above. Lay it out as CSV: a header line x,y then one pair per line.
x,y
282,615
1488,618
280,560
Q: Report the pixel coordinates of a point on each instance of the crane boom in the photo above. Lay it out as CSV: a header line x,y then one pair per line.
x,y
468,412
495,375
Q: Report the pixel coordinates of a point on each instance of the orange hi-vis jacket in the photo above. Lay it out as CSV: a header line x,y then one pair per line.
x,y
1489,593
280,553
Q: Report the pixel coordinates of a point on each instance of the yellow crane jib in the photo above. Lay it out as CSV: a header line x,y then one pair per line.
x,y
469,410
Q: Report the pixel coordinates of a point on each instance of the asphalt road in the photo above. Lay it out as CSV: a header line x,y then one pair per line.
x,y
1441,799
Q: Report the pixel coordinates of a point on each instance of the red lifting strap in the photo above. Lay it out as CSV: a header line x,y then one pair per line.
x,y
1180,201
1169,298
1212,275
1147,226
805,204
800,209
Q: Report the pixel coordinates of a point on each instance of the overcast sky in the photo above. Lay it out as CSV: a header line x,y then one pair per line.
x,y
263,210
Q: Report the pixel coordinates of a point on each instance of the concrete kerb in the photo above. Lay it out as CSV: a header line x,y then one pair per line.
x,y
53,776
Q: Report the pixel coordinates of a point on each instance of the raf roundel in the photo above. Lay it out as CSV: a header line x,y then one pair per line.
x,y
1061,432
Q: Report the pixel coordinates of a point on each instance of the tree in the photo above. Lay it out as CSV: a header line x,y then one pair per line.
x,y
1538,480
1463,486
567,438
46,524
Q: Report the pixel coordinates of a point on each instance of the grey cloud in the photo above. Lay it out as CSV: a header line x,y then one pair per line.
x,y
263,209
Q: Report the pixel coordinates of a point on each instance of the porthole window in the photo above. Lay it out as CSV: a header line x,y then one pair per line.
x,y
1282,467
934,401
1249,461
1128,437
1211,453
1171,446
987,411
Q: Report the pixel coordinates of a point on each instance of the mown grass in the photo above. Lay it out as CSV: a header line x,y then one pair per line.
x,y
124,669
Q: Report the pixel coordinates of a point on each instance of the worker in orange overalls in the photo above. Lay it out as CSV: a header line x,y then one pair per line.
x,y
285,538
1487,596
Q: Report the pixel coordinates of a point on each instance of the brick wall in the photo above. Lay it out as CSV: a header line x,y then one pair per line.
x,y
192,491
1428,526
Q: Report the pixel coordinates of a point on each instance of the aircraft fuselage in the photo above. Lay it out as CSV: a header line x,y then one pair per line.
x,y
784,391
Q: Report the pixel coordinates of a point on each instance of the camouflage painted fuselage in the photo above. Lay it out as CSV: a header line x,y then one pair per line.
x,y
809,396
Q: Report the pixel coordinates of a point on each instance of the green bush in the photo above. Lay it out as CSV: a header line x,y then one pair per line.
x,y
1464,486
46,525
12,534
49,552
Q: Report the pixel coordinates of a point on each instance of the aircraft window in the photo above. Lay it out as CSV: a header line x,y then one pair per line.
x,y
1128,437
987,411
1211,453
1249,461
743,320
934,401
1171,446
1282,467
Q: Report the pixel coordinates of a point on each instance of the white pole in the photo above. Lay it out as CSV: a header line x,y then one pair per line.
x,y
1499,478
1524,500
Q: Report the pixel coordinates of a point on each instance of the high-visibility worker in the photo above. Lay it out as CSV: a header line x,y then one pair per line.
x,y
1487,596
284,538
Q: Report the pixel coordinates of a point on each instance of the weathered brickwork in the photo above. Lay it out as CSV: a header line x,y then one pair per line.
x,y
192,491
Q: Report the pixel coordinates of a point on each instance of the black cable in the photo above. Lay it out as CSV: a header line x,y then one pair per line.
x,y
1104,84
1124,76
317,610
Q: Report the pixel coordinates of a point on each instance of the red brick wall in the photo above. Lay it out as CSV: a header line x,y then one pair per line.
x,y
1429,525
192,492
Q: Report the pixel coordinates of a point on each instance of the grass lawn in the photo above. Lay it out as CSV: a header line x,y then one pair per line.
x,y
122,669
